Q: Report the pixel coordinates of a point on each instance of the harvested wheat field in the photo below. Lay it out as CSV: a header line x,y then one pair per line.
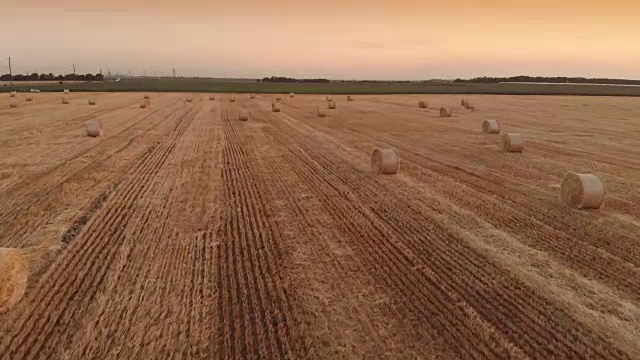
x,y
185,233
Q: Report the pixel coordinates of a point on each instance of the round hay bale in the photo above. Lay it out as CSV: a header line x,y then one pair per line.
x,y
321,113
147,103
94,128
252,96
66,91
329,98
278,98
331,104
445,112
422,104
468,105
212,97
349,98
243,115
491,127
65,100
29,98
291,95
13,103
14,272
146,96
582,191
12,94
143,105
92,101
232,99
189,99
512,142
275,107
464,102
384,161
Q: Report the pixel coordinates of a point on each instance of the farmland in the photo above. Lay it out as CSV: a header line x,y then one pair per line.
x,y
184,233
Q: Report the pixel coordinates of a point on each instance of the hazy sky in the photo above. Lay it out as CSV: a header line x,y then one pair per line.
x,y
348,39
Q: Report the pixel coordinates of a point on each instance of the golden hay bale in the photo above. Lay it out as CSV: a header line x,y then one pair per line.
x,y
468,105
94,128
329,98
232,99
464,102
278,98
252,96
243,115
13,103
12,94
321,113
583,191
349,98
445,112
212,97
65,100
92,101
331,104
147,102
66,91
384,161
422,104
512,142
14,272
491,127
275,107
146,96
291,95
143,105
189,99
29,98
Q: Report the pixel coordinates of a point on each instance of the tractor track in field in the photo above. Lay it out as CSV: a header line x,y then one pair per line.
x,y
255,318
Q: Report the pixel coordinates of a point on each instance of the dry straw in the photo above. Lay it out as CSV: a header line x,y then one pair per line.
x,y
384,161
491,127
422,104
583,191
275,107
14,272
13,103
232,99
243,115
92,101
65,100
349,98
512,142
321,113
445,112
94,128
331,104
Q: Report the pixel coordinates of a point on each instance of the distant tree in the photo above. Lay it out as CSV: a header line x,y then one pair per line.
x,y
20,77
5,77
89,77
69,77
98,77
34,77
59,77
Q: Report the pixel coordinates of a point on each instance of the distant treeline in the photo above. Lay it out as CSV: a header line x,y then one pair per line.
x,y
51,77
543,79
281,79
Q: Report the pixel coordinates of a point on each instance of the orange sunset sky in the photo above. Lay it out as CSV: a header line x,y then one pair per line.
x,y
349,39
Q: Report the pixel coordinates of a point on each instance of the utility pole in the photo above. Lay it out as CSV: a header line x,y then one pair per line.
x,y
74,74
109,74
174,74
130,73
10,73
